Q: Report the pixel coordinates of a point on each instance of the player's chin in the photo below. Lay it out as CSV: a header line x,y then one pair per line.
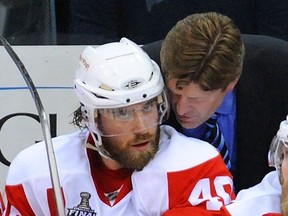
x,y
142,158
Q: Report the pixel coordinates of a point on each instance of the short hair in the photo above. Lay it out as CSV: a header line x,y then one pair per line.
x,y
203,48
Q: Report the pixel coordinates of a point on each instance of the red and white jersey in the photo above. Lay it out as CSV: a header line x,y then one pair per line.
x,y
263,199
186,174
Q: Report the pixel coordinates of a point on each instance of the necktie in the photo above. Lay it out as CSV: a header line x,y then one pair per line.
x,y
214,136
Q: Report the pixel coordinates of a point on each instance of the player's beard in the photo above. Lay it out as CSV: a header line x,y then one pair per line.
x,y
129,158
284,202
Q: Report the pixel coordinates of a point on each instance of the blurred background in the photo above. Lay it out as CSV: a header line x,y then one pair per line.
x,y
75,22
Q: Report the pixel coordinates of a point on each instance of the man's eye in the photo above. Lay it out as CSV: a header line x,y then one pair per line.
x,y
149,106
122,113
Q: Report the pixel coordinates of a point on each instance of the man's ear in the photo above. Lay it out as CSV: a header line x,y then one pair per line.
x,y
231,85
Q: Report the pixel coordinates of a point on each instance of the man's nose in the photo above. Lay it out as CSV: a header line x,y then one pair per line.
x,y
181,106
140,123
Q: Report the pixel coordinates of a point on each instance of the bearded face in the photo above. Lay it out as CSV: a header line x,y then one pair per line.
x,y
130,135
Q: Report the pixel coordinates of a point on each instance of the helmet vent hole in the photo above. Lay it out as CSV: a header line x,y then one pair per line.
x,y
144,95
152,73
127,100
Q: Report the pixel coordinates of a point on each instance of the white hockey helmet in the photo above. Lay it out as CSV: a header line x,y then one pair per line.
x,y
275,155
117,75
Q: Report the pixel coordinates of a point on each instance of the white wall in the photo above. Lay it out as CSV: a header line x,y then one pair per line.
x,y
52,70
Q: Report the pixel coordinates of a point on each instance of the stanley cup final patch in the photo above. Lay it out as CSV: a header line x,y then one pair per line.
x,y
83,208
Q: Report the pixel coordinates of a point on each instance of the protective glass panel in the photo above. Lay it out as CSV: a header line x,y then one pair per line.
x,y
28,22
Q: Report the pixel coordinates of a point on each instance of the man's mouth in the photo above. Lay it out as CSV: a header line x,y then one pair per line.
x,y
141,146
184,118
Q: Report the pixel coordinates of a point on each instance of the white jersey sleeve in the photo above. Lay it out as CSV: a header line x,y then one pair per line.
x,y
261,199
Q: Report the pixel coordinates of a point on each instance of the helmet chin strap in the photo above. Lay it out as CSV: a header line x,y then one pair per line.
x,y
98,145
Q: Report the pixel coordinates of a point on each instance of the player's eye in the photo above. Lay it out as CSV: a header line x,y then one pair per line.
x,y
149,106
122,114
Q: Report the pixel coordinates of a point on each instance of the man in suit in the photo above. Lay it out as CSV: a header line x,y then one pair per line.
x,y
259,100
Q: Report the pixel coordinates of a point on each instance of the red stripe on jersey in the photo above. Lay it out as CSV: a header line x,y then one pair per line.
x,y
188,212
203,186
2,208
273,214
52,202
16,197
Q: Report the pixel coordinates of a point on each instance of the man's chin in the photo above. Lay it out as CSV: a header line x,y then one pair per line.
x,y
188,124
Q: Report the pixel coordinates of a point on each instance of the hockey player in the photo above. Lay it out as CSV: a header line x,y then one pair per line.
x,y
122,162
